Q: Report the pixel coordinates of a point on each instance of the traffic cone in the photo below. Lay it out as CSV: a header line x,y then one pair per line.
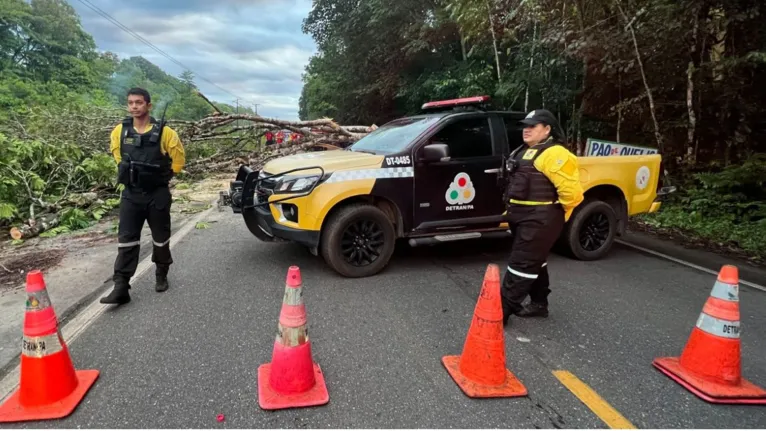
x,y
50,387
292,378
480,371
709,365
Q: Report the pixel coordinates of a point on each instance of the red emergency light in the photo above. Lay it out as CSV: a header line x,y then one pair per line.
x,y
456,102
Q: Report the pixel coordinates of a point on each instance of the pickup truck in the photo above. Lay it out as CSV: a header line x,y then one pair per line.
x,y
430,178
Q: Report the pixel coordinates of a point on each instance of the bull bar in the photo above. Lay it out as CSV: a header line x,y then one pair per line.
x,y
241,197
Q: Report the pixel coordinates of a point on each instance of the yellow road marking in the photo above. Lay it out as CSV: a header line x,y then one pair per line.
x,y
593,401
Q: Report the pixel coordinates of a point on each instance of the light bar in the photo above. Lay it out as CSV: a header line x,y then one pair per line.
x,y
456,102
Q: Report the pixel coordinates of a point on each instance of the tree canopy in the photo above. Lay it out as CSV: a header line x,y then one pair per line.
x,y
674,74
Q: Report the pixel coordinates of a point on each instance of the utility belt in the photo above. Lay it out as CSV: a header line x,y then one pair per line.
x,y
143,176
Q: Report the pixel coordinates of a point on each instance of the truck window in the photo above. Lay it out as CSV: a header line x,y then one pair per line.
x,y
394,136
514,131
466,138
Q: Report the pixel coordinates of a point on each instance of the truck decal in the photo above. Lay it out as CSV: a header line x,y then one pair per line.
x,y
398,160
367,174
460,193
642,177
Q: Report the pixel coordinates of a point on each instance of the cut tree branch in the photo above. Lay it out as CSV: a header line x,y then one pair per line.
x,y
199,93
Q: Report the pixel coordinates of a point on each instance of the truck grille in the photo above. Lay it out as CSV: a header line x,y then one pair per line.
x,y
265,188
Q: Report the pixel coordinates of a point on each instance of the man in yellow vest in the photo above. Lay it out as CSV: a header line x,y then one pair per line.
x,y
148,154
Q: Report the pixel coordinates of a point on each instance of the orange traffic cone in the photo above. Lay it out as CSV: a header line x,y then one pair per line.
x,y
292,378
709,366
480,371
50,387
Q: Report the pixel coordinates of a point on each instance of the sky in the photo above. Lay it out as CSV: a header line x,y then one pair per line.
x,y
253,49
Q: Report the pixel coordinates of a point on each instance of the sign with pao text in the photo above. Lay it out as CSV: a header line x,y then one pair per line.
x,y
598,147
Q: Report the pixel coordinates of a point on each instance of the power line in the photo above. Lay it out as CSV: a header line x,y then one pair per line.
x,y
151,45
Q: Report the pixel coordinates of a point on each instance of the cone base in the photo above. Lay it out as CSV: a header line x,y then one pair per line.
x,y
511,387
712,392
13,411
269,399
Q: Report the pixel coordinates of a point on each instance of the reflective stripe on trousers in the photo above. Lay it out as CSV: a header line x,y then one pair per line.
x,y
524,274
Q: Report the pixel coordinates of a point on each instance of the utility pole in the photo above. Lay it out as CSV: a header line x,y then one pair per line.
x,y
236,101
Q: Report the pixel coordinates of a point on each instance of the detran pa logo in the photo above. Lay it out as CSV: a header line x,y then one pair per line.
x,y
460,193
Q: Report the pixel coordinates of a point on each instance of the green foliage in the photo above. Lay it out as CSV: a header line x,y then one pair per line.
x,y
727,206
59,100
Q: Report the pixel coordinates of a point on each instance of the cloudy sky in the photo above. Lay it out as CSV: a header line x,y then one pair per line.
x,y
253,49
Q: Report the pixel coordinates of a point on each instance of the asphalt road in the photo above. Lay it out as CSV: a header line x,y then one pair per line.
x,y
178,359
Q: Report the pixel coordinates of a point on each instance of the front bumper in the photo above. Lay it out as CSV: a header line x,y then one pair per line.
x,y
261,223
246,198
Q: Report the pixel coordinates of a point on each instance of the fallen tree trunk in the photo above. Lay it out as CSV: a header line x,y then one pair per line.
x,y
81,199
39,226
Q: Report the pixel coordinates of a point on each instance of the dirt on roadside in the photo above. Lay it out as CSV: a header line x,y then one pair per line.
x,y
13,270
46,253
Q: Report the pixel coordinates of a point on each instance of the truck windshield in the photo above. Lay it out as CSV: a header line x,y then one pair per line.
x,y
393,137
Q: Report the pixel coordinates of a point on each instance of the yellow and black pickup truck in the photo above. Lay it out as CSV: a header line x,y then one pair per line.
x,y
429,178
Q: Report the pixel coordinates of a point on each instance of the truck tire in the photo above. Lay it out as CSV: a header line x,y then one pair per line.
x,y
366,224
590,233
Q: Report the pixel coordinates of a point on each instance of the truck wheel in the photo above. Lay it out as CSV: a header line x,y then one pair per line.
x,y
590,233
358,241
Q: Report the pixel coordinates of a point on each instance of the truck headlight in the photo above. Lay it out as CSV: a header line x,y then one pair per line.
x,y
295,183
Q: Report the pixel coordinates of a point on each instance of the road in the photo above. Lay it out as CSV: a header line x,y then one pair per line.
x,y
178,359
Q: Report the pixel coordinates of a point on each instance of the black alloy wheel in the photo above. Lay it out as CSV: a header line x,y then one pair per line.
x,y
362,242
357,240
594,232
591,230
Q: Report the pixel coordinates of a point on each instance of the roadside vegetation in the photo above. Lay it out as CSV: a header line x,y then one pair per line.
x,y
59,100
682,76
727,208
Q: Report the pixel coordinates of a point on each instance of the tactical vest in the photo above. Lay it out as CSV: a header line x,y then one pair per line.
x,y
526,183
143,166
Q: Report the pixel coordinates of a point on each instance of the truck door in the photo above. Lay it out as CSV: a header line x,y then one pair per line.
x,y
457,194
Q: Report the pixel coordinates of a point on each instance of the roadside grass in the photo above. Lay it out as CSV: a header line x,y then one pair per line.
x,y
726,209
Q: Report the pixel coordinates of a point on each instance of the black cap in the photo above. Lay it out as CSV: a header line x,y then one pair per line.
x,y
540,116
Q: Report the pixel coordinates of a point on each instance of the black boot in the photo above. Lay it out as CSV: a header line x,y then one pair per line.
x,y
161,283
534,310
119,295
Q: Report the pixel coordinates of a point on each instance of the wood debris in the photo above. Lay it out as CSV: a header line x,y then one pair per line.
x,y
234,137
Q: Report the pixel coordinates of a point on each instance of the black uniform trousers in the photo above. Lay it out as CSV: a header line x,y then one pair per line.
x,y
535,230
137,207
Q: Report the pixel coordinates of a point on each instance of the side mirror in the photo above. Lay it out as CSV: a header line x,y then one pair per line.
x,y
435,153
